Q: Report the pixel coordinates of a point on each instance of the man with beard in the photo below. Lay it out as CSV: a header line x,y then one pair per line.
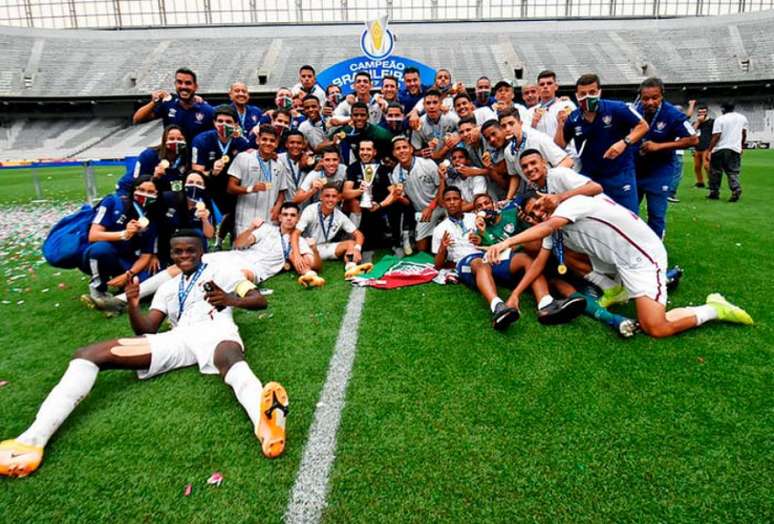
x,y
185,109
412,91
669,131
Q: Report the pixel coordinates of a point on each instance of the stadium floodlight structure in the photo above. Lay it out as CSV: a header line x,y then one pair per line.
x,y
120,14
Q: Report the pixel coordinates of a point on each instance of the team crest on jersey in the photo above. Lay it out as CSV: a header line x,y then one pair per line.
x,y
172,112
578,130
255,118
607,120
509,228
199,117
660,126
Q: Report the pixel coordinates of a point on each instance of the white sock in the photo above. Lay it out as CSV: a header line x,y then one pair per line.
x,y
703,313
545,301
602,281
247,388
74,385
348,266
150,285
355,218
494,302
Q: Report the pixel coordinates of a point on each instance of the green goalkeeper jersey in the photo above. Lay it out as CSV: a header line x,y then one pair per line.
x,y
506,227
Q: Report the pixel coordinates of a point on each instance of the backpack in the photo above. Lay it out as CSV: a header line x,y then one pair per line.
x,y
68,239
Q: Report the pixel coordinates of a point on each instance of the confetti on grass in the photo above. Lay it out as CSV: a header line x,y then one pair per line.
x,y
216,479
187,490
4,383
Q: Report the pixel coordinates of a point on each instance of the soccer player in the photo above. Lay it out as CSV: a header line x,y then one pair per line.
x,y
357,190
348,137
122,242
342,114
166,162
453,242
703,126
668,131
213,151
185,109
523,139
729,133
333,172
617,241
494,158
249,115
296,161
483,90
463,106
258,181
417,184
307,84
389,94
314,128
429,139
461,175
199,306
529,93
544,115
504,95
394,121
412,91
322,222
602,131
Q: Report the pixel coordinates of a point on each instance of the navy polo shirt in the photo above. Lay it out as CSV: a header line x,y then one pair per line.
x,y
192,121
667,125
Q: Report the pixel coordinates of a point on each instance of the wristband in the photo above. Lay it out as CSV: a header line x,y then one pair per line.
x,y
358,247
249,189
432,205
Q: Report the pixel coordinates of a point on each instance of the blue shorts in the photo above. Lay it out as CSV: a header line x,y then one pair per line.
x,y
500,271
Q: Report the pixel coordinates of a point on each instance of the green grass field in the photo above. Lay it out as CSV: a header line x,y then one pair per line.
x,y
445,420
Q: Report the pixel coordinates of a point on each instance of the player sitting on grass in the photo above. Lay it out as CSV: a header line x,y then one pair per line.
x,y
494,226
199,305
452,241
618,242
320,224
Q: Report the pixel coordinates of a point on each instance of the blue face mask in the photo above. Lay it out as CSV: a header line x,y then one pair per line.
x,y
194,193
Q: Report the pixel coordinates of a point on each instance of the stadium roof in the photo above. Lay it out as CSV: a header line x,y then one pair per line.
x,y
87,63
163,13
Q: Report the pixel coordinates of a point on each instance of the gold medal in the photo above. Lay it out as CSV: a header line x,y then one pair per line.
x,y
164,164
200,206
225,159
311,161
268,185
143,222
561,269
342,135
286,266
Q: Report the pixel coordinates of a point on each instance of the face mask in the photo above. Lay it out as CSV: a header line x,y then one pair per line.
x,y
225,130
444,88
176,147
335,98
284,102
194,192
589,103
483,94
145,200
490,215
394,121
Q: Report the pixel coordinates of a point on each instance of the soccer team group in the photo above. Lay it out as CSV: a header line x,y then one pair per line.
x,y
543,195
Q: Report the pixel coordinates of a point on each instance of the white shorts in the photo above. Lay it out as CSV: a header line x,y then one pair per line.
x,y
327,250
425,229
185,346
646,281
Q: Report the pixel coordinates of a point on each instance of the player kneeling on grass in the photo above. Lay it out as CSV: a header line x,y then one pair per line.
x,y
453,241
199,305
320,224
617,241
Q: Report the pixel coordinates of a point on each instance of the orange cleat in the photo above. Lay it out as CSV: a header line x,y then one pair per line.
x,y
354,271
18,459
311,279
271,427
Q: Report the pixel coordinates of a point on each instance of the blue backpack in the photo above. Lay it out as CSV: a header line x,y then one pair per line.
x,y
68,239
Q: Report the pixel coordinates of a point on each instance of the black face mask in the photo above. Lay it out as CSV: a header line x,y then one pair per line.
x,y
195,193
490,215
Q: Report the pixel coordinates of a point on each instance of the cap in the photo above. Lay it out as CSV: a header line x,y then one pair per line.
x,y
502,83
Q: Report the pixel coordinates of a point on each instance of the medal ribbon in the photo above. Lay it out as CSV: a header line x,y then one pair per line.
x,y
325,231
265,168
224,150
402,175
296,178
183,292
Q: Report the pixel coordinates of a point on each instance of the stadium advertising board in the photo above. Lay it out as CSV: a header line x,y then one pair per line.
x,y
377,43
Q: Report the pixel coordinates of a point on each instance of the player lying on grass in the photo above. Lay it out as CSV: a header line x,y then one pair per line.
x,y
199,305
262,251
493,226
618,242
321,223
453,242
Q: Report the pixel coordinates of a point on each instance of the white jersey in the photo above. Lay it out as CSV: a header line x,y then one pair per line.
x,y
561,180
730,127
523,112
249,170
315,133
468,186
612,236
294,175
420,182
322,229
531,139
338,179
344,110
195,308
459,231
317,91
430,129
548,122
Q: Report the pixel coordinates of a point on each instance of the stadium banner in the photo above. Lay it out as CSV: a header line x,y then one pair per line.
x,y
377,43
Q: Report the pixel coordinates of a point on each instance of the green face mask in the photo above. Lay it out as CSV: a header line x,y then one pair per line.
x,y
589,103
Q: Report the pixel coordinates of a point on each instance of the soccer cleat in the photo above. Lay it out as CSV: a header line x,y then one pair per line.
x,y
627,328
673,199
271,426
18,459
728,311
311,279
407,250
359,269
673,276
561,311
503,316
104,302
714,195
735,196
613,295
699,185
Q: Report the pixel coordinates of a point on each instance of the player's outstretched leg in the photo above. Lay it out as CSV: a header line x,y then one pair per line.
x,y
266,406
656,323
22,456
624,326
